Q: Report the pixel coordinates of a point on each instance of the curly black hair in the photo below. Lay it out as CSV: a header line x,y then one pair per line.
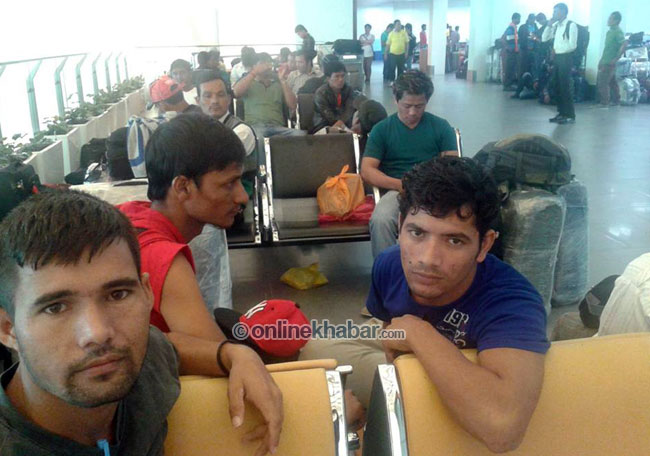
x,y
413,82
446,184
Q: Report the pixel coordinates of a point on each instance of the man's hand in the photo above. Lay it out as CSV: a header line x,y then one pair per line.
x,y
283,72
414,328
250,380
260,68
355,414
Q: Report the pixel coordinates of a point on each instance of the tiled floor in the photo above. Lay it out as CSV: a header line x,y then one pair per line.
x,y
610,150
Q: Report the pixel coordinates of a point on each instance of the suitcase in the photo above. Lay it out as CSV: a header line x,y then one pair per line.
x,y
572,266
532,222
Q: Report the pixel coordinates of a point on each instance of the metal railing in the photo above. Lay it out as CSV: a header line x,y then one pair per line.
x,y
118,59
31,90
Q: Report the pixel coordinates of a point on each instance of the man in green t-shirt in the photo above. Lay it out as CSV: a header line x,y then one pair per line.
x,y
614,48
398,143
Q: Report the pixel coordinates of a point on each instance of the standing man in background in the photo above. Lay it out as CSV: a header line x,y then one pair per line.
x,y
384,38
396,47
564,34
510,40
366,40
308,42
424,49
411,46
614,48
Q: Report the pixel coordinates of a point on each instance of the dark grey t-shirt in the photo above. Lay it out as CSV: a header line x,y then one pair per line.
x,y
141,415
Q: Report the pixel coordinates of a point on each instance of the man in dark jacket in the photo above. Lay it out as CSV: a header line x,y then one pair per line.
x,y
334,101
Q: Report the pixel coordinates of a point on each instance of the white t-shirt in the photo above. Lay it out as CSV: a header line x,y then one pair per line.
x,y
367,48
628,307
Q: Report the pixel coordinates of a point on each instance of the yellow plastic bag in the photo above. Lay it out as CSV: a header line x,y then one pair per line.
x,y
304,278
341,194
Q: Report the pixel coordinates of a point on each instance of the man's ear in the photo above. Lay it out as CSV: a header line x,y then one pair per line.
x,y
181,187
486,245
148,291
7,336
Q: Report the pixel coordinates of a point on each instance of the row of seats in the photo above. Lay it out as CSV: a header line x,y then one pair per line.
x,y
284,208
595,401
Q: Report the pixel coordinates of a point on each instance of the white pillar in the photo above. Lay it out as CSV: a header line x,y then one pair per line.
x,y
437,36
482,37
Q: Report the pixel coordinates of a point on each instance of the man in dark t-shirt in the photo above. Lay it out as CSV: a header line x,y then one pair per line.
x,y
93,377
444,292
398,143
308,42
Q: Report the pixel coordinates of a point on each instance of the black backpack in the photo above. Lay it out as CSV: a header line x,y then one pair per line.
x,y
17,182
582,42
343,47
533,160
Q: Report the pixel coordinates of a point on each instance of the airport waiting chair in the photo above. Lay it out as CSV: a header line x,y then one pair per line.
x,y
295,167
595,401
305,111
314,414
248,232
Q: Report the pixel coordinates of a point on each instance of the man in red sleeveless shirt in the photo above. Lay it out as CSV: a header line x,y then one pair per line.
x,y
194,165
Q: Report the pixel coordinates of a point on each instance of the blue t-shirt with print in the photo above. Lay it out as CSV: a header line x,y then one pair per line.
x,y
501,309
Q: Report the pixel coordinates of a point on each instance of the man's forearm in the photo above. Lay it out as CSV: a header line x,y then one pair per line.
x,y
289,96
241,87
478,399
375,177
196,356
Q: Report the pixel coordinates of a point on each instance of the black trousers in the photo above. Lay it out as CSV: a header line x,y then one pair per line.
x,y
395,62
510,67
562,65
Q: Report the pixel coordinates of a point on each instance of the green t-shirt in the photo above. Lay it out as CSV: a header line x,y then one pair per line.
x,y
399,148
263,105
613,42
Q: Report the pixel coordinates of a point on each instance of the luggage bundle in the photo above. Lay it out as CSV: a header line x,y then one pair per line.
x,y
543,215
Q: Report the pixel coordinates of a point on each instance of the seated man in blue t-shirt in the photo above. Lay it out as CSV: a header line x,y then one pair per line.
x,y
446,292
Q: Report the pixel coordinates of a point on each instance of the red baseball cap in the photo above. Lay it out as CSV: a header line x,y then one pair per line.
x,y
284,317
163,88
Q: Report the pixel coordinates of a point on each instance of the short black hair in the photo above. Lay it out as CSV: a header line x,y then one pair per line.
x,y
248,56
58,227
264,57
540,17
516,16
202,76
413,82
300,28
562,7
367,25
189,145
180,63
390,25
175,99
202,57
308,54
335,66
285,52
617,16
457,27
408,26
424,26
445,185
